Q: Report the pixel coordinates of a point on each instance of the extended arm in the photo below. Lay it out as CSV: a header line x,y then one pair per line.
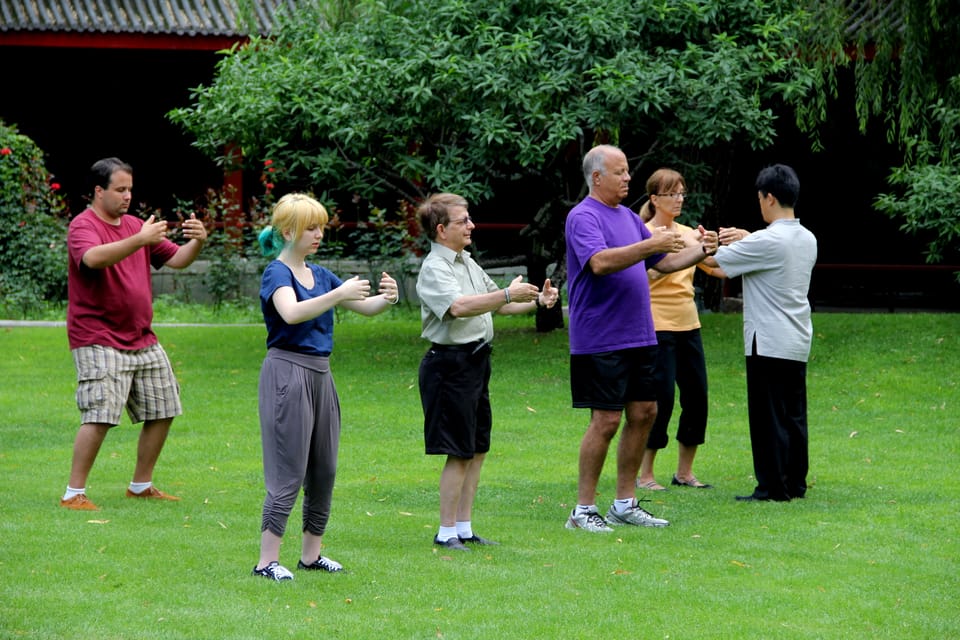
x,y
106,255
509,300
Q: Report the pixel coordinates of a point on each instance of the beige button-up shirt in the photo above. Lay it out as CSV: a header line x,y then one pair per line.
x,y
445,276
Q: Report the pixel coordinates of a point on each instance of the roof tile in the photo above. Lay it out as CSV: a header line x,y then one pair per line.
x,y
172,17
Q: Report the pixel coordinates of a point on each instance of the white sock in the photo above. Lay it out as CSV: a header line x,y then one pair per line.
x,y
585,508
140,487
446,533
622,504
464,530
73,492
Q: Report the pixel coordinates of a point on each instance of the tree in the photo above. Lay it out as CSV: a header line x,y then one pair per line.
x,y
481,96
907,71
33,227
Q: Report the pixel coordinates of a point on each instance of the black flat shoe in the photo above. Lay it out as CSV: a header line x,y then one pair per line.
x,y
475,539
452,543
696,484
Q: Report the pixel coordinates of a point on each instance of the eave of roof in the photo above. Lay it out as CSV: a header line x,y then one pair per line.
x,y
136,23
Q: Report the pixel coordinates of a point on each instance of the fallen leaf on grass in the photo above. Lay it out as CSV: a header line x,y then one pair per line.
x,y
97,521
531,410
853,434
739,564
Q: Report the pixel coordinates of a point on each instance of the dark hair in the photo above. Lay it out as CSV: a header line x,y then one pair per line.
x,y
781,181
102,171
435,210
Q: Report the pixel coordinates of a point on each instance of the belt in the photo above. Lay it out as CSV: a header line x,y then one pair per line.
x,y
468,347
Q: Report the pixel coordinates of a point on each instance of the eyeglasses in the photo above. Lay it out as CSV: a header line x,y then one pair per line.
x,y
463,221
675,195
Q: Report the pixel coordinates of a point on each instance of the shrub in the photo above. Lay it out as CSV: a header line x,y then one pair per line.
x,y
33,228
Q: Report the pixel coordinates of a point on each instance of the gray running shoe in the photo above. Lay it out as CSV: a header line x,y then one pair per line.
x,y
636,516
589,521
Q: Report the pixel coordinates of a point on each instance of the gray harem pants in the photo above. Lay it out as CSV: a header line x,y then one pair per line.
x,y
300,432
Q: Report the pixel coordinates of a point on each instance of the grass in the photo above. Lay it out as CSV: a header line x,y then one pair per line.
x,y
872,552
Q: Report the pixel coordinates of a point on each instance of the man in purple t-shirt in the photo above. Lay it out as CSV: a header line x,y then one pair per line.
x,y
612,339
109,314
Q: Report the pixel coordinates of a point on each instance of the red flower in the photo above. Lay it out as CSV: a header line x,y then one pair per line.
x,y
267,163
55,186
269,186
5,151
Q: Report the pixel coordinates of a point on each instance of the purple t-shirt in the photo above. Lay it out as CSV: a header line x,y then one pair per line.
x,y
611,312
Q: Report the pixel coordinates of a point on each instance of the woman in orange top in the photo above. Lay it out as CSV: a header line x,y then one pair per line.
x,y
680,360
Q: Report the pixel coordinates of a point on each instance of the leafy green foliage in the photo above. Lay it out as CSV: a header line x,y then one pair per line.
x,y
33,228
232,250
471,95
907,70
927,195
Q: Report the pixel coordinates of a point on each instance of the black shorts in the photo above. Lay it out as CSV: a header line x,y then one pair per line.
x,y
611,379
454,392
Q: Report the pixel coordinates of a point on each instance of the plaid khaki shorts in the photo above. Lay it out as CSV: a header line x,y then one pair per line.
x,y
110,379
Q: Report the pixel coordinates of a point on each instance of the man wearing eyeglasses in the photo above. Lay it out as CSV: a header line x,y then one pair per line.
x,y
457,302
613,344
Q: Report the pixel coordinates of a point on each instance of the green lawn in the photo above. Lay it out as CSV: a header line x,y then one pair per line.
x,y
872,552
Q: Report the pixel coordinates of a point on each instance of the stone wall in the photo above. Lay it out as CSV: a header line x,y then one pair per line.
x,y
189,284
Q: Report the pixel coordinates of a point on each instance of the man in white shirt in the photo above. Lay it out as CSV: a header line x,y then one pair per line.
x,y
776,264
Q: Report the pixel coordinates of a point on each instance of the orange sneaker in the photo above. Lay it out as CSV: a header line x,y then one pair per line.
x,y
79,502
152,494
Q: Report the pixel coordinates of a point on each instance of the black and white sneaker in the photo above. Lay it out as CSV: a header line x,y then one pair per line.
x,y
274,571
322,564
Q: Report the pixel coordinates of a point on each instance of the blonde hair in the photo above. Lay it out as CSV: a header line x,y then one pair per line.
x,y
293,214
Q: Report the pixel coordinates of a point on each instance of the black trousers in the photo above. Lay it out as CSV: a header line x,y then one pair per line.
x,y
777,408
680,365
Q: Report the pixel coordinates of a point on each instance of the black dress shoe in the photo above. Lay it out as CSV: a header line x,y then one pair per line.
x,y
475,539
451,543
